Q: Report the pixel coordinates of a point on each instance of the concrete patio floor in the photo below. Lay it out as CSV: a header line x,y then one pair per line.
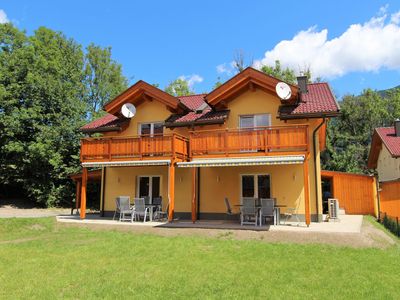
x,y
346,224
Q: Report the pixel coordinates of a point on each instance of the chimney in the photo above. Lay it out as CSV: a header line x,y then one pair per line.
x,y
302,83
397,127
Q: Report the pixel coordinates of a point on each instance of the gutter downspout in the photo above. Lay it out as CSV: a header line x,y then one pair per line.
x,y
315,163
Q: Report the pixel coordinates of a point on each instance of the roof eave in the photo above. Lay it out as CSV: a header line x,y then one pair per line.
x,y
194,123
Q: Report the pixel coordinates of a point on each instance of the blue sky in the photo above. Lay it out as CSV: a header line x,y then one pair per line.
x,y
351,44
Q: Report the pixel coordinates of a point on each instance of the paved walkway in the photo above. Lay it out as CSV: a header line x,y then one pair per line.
x,y
346,224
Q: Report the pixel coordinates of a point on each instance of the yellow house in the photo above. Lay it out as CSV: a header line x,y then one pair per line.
x,y
240,140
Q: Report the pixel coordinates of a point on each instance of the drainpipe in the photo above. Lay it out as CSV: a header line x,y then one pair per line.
x,y
315,163
378,197
198,193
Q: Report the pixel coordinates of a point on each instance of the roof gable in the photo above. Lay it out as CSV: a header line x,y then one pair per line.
x,y
142,91
383,136
247,79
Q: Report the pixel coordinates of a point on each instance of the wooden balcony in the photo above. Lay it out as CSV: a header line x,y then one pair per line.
x,y
249,142
134,148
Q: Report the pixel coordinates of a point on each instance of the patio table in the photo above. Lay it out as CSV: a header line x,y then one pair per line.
x,y
150,206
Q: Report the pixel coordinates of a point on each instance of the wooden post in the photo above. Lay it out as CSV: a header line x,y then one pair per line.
x,y
194,195
83,193
306,191
78,194
171,191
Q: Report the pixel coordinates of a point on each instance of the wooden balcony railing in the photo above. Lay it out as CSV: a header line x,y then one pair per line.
x,y
252,141
134,148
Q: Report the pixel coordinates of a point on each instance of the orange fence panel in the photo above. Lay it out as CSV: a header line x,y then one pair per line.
x,y
356,192
389,196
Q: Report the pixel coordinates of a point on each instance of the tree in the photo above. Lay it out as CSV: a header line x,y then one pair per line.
x,y
349,136
103,77
239,61
179,87
43,94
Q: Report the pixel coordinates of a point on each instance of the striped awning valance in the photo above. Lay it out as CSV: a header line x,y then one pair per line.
x,y
126,163
256,161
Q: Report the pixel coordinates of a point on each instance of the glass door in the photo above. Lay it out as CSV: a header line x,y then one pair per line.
x,y
149,186
257,186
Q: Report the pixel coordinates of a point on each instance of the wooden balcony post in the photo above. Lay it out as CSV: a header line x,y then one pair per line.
x,y
194,195
78,194
190,154
171,191
306,191
83,193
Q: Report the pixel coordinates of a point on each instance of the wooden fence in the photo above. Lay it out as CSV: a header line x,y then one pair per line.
x,y
356,193
389,196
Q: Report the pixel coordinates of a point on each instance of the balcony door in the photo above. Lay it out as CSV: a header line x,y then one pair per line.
x,y
149,186
252,140
256,186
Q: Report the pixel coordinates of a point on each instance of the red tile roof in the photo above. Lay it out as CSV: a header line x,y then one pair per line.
x,y
389,138
318,100
192,101
108,121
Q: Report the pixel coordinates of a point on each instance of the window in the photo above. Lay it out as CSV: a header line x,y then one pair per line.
x,y
257,186
151,128
250,121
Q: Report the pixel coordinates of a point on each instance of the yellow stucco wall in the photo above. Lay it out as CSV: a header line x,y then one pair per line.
x,y
122,181
216,183
388,167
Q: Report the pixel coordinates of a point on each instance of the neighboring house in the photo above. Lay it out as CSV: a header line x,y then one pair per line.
x,y
239,140
385,152
384,158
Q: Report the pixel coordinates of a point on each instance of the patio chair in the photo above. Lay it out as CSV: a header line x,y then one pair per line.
x,y
266,210
248,212
229,209
123,207
289,213
161,215
157,202
140,210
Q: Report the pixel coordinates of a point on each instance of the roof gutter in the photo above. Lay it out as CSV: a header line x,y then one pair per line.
x,y
315,163
184,124
101,129
310,115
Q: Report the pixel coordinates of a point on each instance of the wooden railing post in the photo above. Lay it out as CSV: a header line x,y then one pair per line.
x,y
265,140
190,150
226,142
109,149
173,147
140,147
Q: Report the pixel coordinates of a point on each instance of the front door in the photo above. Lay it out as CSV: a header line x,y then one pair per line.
x,y
256,186
149,186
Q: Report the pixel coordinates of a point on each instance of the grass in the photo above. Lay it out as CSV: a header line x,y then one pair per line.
x,y
41,260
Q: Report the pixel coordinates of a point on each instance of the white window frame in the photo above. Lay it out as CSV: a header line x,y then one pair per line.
x,y
254,119
150,185
255,176
151,126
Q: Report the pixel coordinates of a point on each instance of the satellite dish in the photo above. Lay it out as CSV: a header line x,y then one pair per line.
x,y
128,110
283,90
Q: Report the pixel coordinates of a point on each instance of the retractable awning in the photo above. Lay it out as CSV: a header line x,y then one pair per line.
x,y
127,163
256,161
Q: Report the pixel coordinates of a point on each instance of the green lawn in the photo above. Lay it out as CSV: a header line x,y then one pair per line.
x,y
40,260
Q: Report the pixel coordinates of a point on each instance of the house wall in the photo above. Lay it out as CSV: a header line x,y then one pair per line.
x,y
388,167
148,112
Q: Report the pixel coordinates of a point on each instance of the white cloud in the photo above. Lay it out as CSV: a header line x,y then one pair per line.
x,y
192,79
3,17
362,47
